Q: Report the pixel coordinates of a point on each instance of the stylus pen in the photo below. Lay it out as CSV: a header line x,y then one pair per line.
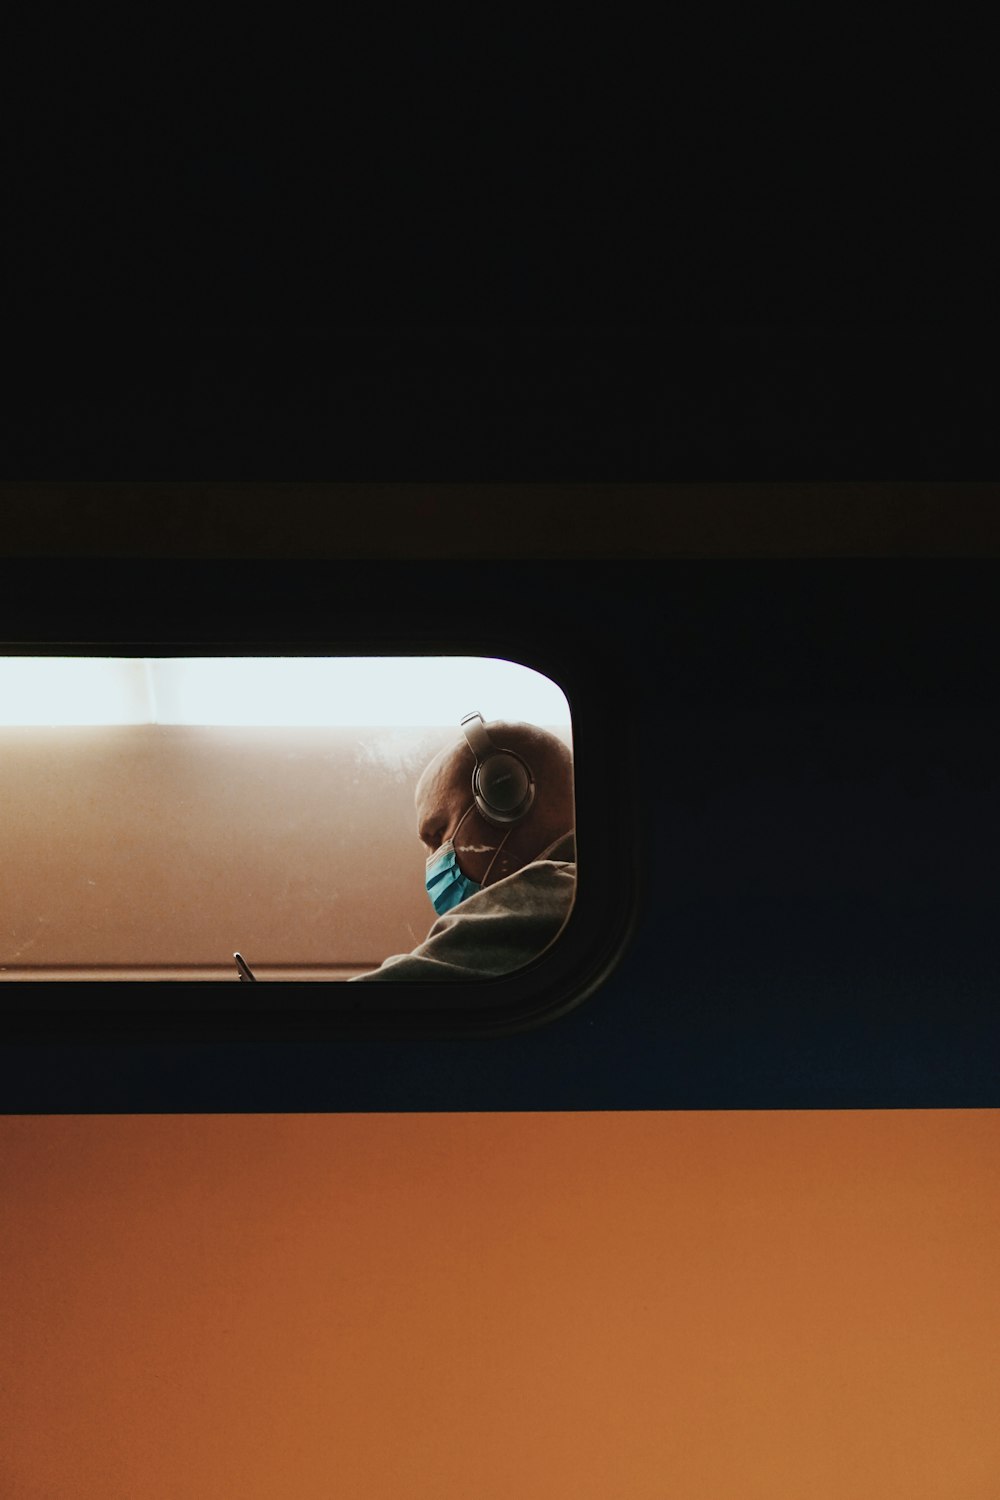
x,y
244,968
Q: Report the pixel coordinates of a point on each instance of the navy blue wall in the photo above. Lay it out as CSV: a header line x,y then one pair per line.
x,y
817,805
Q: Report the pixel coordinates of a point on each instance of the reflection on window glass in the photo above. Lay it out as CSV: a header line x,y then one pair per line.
x,y
329,818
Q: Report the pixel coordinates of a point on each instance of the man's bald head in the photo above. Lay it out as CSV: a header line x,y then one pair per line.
x,y
444,794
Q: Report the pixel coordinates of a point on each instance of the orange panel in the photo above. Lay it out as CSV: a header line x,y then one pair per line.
x,y
693,1305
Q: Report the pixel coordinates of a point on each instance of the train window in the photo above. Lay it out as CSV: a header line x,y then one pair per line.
x,y
398,819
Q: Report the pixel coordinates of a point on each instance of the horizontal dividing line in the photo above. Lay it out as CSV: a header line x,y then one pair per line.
x,y
194,972
354,521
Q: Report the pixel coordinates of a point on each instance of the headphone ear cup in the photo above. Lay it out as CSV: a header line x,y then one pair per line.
x,y
504,788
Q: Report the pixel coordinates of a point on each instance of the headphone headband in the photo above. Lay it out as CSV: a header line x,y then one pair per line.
x,y
474,730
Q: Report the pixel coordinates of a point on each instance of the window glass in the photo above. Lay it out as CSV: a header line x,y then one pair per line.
x,y
160,814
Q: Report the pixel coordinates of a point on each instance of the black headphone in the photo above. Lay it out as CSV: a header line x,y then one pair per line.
x,y
502,783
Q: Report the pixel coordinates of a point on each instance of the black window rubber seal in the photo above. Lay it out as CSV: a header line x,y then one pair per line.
x,y
220,622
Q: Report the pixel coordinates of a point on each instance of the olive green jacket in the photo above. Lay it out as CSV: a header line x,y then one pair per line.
x,y
497,930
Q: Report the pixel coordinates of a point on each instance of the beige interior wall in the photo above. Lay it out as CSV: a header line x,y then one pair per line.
x,y
165,845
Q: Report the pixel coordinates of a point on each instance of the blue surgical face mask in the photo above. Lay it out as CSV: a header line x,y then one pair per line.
x,y
446,885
